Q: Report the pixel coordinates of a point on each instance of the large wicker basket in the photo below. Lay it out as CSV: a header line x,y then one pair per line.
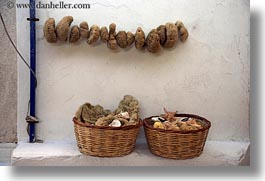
x,y
105,141
176,144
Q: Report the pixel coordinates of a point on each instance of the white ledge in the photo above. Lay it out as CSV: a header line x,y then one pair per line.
x,y
216,153
6,150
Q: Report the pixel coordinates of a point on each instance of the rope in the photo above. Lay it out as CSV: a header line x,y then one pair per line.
x,y
14,46
32,119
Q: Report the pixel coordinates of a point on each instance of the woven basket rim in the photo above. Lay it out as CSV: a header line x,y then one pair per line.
x,y
76,121
208,124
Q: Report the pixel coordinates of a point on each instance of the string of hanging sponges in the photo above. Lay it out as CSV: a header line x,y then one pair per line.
x,y
165,36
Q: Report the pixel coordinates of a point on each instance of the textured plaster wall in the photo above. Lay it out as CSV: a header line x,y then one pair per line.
x,y
8,76
208,75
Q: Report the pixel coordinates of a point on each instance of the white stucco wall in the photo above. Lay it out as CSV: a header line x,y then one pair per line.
x,y
208,75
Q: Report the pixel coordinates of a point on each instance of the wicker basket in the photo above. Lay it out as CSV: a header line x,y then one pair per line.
x,y
176,144
105,141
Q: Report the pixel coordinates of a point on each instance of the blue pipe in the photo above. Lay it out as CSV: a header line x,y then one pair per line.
x,y
33,67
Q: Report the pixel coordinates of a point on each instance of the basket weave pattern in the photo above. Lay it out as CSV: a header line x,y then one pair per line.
x,y
177,144
105,141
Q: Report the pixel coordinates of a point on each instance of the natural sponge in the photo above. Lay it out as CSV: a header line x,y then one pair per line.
x,y
104,34
74,34
90,114
131,105
112,43
49,30
105,121
139,39
171,35
112,29
183,32
84,29
162,34
153,41
121,38
130,38
63,27
93,34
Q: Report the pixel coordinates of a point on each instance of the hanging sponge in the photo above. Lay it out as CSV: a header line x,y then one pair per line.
x,y
63,27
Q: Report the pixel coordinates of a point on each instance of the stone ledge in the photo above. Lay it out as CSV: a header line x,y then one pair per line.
x,y
6,150
216,153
